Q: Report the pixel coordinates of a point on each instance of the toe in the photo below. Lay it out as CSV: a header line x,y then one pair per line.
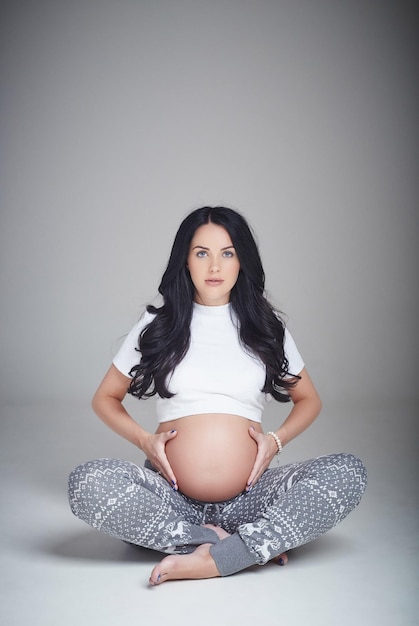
x,y
281,559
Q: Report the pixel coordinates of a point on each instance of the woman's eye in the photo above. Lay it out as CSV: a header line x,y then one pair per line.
x,y
201,253
228,254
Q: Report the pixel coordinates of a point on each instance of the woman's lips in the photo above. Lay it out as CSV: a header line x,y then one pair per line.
x,y
214,281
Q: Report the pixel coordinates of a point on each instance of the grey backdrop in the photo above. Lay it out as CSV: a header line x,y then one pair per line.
x,y
118,118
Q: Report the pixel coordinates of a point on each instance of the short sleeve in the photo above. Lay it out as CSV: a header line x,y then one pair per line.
x,y
295,361
128,354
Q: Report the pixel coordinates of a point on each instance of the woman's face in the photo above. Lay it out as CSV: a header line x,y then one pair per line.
x,y
213,265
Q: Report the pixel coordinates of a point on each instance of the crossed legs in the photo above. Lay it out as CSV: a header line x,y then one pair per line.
x,y
289,506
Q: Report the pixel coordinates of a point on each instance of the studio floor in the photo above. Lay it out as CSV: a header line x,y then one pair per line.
x,y
57,571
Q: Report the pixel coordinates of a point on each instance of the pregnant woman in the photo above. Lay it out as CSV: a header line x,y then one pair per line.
x,y
213,353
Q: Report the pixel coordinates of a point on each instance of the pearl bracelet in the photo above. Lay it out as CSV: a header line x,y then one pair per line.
x,y
277,441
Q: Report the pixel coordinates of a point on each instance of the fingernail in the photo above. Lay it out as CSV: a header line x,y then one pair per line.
x,y
158,578
281,562
173,482
172,431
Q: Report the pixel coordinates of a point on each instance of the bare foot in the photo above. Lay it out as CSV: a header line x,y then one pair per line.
x,y
281,559
197,564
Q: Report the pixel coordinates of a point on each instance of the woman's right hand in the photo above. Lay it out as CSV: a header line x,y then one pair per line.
x,y
155,450
107,404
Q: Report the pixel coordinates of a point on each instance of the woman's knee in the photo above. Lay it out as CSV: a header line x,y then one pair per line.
x,y
80,485
347,472
90,482
351,465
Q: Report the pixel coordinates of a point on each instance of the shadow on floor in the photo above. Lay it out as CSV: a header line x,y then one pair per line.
x,y
95,546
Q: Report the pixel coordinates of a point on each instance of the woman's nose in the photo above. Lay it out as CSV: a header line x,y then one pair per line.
x,y
214,267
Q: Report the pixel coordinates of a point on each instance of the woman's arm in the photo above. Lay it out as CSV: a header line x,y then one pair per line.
x,y
306,407
107,404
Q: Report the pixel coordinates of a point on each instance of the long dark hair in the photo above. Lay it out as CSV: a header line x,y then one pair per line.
x,y
164,342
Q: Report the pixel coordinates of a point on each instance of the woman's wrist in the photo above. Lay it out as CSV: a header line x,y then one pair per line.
x,y
141,438
277,441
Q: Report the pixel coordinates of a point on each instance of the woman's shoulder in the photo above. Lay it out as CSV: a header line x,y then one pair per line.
x,y
128,355
145,318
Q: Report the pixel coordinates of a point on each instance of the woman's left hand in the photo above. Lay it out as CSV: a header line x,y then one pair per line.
x,y
267,449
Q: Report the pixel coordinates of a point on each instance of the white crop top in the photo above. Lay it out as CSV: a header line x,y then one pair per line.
x,y
216,375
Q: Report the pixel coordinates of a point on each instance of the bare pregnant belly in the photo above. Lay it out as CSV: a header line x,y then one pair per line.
x,y
212,454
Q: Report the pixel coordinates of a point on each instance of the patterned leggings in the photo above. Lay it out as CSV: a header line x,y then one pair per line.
x,y
289,506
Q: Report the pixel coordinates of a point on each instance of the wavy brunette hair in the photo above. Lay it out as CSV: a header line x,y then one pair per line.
x,y
164,342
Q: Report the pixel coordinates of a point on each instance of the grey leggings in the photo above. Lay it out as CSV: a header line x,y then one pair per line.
x,y
289,506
